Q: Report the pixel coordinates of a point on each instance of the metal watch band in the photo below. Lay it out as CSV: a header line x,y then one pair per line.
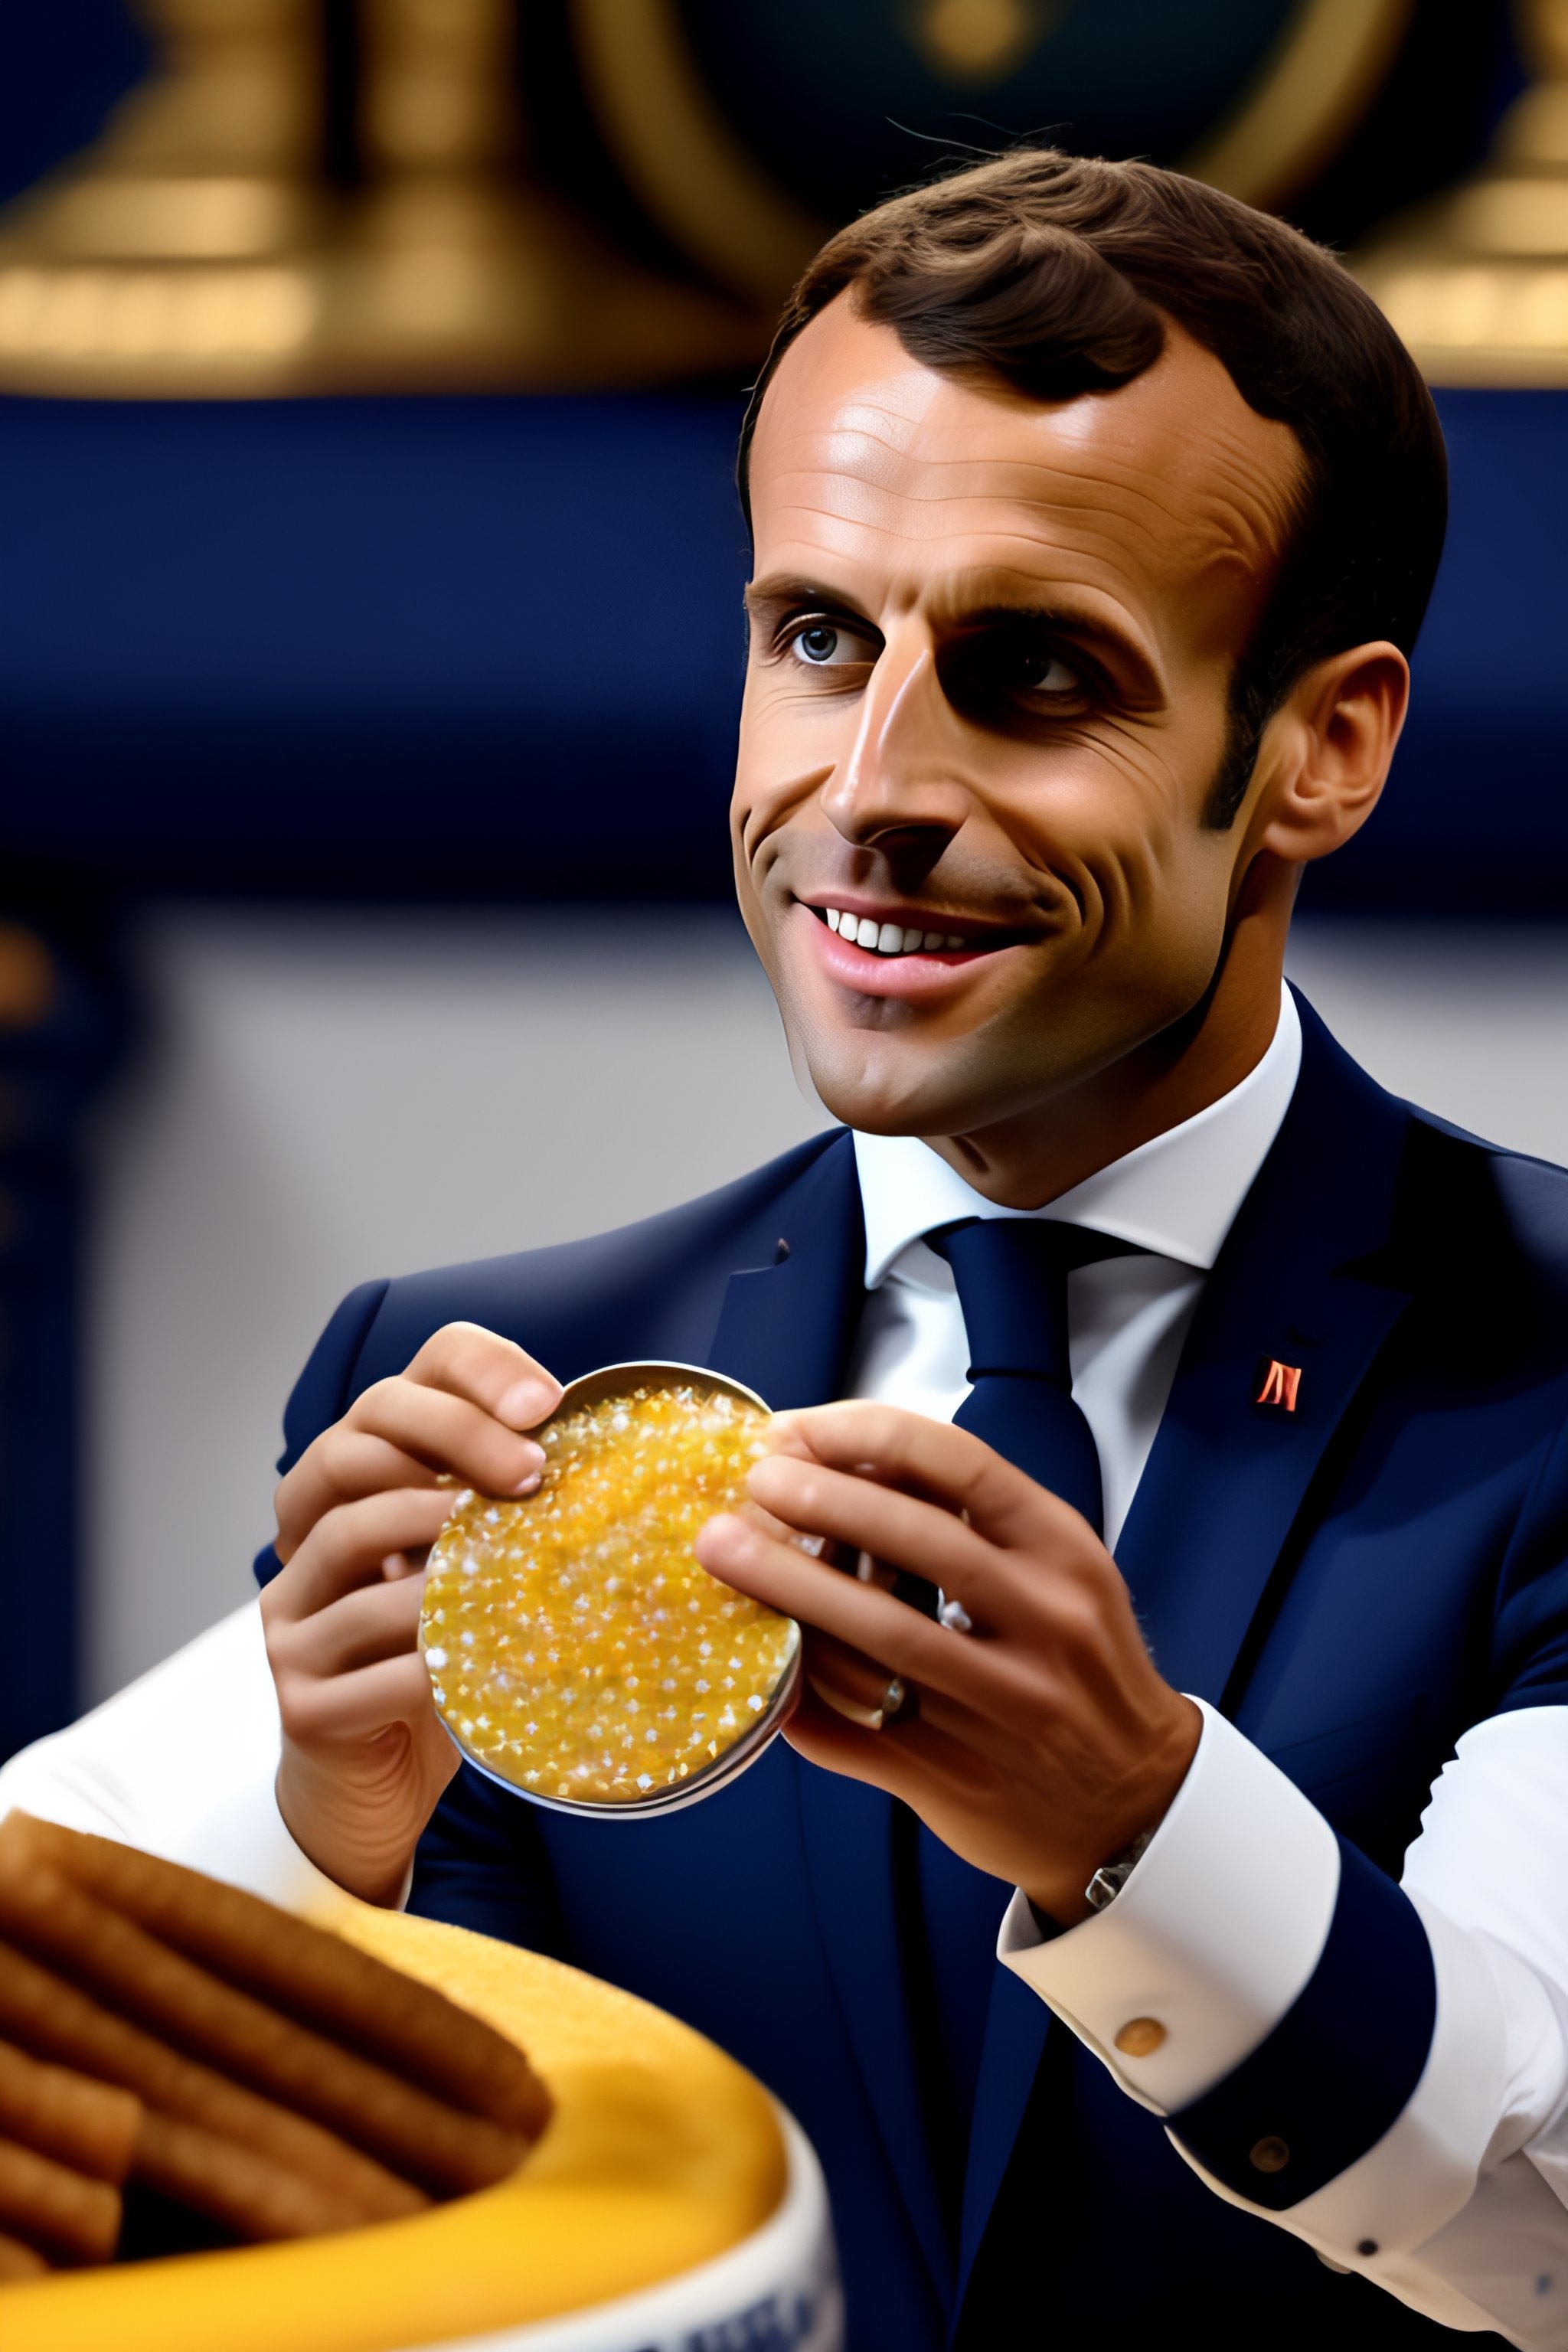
x,y
1111,1877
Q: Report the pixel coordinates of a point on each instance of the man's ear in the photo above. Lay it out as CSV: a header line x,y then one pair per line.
x,y
1326,753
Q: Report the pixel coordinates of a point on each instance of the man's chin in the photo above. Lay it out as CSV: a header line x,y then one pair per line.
x,y
883,1101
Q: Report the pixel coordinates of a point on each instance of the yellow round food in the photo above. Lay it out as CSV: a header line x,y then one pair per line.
x,y
575,1648
661,2155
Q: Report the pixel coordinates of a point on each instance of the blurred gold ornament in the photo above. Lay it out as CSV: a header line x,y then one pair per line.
x,y
1477,282
29,982
198,250
978,41
172,260
691,169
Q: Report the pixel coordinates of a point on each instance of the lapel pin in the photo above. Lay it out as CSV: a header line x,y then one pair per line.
x,y
1276,1383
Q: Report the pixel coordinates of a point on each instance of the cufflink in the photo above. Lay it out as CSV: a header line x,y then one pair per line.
x,y
1140,2037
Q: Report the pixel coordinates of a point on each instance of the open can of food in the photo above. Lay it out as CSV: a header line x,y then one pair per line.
x,y
578,1654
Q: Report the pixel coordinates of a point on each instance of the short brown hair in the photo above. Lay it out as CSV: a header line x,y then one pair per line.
x,y
1051,272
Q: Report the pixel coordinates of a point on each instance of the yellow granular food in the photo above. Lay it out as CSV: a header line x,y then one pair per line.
x,y
575,1648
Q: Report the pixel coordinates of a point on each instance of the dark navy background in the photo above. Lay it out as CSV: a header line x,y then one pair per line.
x,y
496,644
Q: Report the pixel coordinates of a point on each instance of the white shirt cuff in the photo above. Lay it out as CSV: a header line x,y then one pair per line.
x,y
1213,1937
1210,1939
1425,2167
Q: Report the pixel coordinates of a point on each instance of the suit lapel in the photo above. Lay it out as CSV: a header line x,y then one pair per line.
x,y
1303,1278
786,1329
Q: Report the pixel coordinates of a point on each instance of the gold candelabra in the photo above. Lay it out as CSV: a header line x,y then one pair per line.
x,y
199,249
1477,281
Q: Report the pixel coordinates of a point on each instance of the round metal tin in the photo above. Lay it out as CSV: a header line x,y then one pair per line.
x,y
594,1388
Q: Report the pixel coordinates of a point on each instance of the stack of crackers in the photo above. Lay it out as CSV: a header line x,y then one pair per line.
x,y
167,2042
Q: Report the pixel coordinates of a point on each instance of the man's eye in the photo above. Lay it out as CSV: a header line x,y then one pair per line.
x,y
826,646
1040,671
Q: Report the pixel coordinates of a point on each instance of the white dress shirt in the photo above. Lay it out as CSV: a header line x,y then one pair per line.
x,y
1222,1923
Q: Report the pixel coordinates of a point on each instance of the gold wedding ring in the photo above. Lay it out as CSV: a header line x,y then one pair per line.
x,y
868,1719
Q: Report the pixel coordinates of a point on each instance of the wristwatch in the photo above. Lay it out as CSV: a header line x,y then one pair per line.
x,y
1111,1877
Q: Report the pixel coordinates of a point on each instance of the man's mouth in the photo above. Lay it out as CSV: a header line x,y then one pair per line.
x,y
881,934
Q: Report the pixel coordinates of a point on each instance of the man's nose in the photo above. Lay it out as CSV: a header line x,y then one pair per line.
x,y
893,781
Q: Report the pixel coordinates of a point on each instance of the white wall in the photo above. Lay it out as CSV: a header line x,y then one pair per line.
x,y
326,1098
1471,1023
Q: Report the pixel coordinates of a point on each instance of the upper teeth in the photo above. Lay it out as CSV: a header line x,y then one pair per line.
x,y
887,939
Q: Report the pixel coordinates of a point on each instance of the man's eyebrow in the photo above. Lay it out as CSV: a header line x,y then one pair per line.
x,y
782,590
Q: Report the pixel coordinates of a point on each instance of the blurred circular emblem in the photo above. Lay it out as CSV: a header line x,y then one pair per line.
x,y
751,133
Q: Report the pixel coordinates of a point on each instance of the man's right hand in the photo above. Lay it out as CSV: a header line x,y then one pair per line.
x,y
364,1759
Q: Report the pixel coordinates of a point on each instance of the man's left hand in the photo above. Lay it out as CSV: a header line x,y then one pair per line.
x,y
1039,1744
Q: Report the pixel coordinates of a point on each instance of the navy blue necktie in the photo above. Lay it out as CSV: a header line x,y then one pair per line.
x,y
1012,1277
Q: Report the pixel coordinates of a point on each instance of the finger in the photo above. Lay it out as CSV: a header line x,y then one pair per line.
x,y
378,1620
343,1465
348,1547
883,1525
399,1435
910,1760
858,1688
861,1616
950,1465
489,1371
459,1409
356,1707
408,1562
447,1434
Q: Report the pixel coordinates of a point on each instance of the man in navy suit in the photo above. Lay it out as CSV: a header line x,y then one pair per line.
x,y
1157,1913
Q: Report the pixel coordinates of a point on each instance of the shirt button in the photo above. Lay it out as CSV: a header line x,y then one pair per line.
x,y
1268,2155
1140,2037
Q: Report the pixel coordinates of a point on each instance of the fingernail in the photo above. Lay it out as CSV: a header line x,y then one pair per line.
x,y
532,1458
528,1403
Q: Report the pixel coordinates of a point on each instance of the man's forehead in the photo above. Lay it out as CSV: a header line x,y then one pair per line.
x,y
858,443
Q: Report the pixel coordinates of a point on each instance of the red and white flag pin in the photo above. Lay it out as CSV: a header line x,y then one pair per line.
x,y
1277,1384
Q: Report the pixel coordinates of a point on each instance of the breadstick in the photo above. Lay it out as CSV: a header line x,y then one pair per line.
x,y
300,1969
59,2022
53,2209
420,2138
257,2199
18,2261
88,2126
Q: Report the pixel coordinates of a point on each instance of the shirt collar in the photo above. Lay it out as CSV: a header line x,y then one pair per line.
x,y
1176,1195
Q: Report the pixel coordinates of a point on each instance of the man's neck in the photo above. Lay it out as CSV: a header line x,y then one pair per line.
x,y
1025,1161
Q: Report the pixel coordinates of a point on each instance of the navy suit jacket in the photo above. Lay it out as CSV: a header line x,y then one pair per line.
x,y
1353,1583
